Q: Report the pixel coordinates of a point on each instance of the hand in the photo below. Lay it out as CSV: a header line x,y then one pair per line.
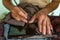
x,y
19,14
44,24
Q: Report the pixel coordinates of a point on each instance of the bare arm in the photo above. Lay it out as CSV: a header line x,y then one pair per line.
x,y
18,14
8,4
50,7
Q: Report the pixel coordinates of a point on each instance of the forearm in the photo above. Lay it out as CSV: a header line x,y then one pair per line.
x,y
52,6
8,4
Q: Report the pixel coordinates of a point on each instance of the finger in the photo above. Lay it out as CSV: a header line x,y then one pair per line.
x,y
15,17
19,18
23,13
51,27
20,12
40,24
48,28
12,12
44,27
23,19
32,19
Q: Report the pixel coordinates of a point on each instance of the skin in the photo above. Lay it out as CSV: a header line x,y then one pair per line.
x,y
44,24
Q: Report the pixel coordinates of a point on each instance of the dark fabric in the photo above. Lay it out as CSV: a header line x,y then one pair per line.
x,y
1,29
55,20
31,28
31,10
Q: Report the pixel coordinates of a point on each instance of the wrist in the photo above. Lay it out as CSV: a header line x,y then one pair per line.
x,y
44,11
14,7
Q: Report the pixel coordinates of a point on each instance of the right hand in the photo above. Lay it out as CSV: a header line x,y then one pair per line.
x,y
19,14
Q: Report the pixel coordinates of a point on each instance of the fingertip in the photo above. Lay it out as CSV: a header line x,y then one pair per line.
x,y
24,20
40,27
18,19
30,21
23,15
44,34
49,32
51,27
40,30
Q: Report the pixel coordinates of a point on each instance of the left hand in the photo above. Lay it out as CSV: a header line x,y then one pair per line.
x,y
44,24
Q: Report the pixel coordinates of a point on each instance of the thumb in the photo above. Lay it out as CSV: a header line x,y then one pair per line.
x,y
32,19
